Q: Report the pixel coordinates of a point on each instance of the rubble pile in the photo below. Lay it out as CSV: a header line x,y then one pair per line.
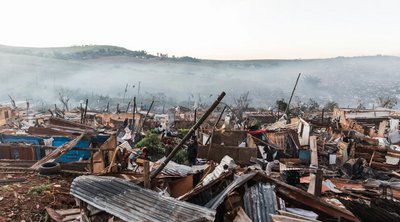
x,y
204,165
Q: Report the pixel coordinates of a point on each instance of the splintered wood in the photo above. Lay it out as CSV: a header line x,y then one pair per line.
x,y
57,152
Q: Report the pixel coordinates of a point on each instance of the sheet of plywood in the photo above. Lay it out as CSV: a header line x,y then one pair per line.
x,y
314,150
181,186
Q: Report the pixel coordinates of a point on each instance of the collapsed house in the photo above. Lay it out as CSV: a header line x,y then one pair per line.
x,y
297,169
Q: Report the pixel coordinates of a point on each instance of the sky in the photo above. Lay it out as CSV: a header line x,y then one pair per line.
x,y
209,29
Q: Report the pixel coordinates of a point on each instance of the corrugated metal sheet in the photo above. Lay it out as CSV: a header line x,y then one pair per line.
x,y
130,202
174,169
239,181
260,202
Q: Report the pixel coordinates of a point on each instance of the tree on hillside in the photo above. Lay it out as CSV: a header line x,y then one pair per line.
x,y
242,103
361,104
281,105
329,106
387,102
64,99
312,105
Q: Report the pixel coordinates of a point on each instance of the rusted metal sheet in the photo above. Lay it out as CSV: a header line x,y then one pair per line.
x,y
280,138
69,124
41,131
17,151
217,152
229,138
201,188
277,138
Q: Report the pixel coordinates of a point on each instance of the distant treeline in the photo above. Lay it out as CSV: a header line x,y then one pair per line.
x,y
92,52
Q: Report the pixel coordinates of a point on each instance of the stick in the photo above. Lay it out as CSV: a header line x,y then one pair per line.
x,y
291,96
188,135
86,105
219,118
146,174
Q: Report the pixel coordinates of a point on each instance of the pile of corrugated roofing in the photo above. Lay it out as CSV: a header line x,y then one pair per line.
x,y
130,202
260,202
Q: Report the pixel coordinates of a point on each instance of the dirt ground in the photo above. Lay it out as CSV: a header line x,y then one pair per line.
x,y
27,200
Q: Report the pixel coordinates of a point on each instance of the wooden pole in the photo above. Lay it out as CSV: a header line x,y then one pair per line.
x,y
373,107
215,125
318,183
145,117
195,115
194,120
127,108
322,117
209,145
133,114
91,162
291,96
84,115
146,174
81,109
188,135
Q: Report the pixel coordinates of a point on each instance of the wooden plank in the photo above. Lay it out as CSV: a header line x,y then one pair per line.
x,y
114,157
281,218
314,150
372,158
69,211
382,127
99,164
70,217
57,152
146,174
288,214
318,183
54,215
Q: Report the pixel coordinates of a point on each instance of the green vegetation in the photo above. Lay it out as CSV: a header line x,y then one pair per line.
x,y
91,52
182,132
38,190
181,157
153,144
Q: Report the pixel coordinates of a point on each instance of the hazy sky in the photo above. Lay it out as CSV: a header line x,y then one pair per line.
x,y
219,29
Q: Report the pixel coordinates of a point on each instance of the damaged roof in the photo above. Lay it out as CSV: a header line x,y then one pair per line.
x,y
239,181
130,202
173,169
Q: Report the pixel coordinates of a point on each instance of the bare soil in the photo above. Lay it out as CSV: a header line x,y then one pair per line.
x,y
27,200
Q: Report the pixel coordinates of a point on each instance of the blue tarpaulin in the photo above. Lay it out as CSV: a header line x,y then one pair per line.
x,y
72,155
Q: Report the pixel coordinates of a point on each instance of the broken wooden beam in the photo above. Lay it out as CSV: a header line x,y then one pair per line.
x,y
57,152
146,174
188,135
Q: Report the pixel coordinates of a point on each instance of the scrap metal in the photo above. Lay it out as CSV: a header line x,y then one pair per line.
x,y
130,202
